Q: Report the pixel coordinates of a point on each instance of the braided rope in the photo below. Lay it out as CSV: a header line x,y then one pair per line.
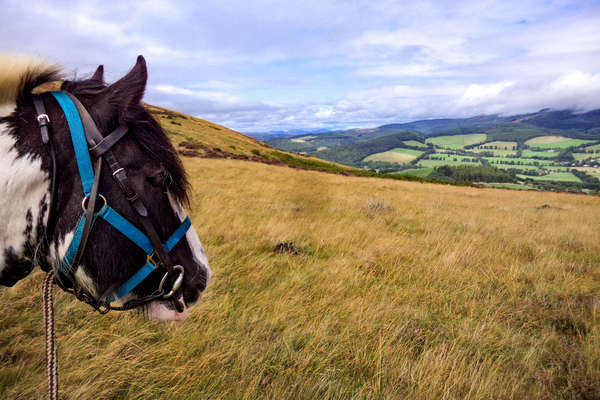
x,y
51,360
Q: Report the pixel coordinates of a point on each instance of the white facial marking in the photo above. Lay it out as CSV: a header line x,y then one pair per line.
x,y
159,312
192,237
23,185
85,281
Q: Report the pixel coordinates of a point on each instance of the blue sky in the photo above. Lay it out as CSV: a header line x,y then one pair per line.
x,y
278,65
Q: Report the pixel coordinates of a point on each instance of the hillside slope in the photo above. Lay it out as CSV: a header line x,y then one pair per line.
x,y
398,290
195,137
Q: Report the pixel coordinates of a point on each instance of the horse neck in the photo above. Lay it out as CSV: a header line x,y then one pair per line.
x,y
24,197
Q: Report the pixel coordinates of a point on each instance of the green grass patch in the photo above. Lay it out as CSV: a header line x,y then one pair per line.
x,y
457,141
498,145
516,161
420,172
397,155
414,143
585,156
555,142
496,152
447,160
555,176
540,154
516,186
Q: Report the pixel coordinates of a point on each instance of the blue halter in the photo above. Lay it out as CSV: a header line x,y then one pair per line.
x,y
106,212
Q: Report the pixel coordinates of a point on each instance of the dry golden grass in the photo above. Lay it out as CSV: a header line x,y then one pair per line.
x,y
400,290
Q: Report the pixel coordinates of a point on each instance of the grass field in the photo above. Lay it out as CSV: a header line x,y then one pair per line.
x,y
447,160
398,155
496,152
457,141
540,154
523,161
421,172
555,142
555,176
499,145
414,143
515,186
401,290
594,147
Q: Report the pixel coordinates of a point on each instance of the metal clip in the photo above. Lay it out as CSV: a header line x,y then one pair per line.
x,y
176,284
43,119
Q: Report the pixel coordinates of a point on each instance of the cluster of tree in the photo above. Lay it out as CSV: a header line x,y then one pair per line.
x,y
471,173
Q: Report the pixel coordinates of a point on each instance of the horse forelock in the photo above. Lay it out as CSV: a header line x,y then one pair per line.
x,y
19,75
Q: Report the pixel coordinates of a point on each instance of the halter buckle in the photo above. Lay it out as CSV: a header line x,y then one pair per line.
x,y
176,284
150,259
43,119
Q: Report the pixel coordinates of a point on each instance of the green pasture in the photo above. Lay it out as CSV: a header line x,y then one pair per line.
x,y
522,161
398,155
498,145
457,141
555,142
555,176
420,172
414,143
517,186
540,154
496,152
592,148
448,160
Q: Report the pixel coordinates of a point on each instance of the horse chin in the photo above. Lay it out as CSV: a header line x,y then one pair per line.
x,y
164,311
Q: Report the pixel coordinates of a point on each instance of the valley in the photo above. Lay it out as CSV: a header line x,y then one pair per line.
x,y
550,150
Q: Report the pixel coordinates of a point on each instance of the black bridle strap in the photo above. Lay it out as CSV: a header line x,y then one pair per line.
x,y
94,138
43,122
108,141
89,215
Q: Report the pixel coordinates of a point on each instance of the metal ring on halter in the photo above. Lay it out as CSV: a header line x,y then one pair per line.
x,y
87,197
176,284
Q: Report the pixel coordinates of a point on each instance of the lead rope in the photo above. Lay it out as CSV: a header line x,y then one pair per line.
x,y
51,359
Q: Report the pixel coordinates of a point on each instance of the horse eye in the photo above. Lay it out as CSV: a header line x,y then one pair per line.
x,y
159,179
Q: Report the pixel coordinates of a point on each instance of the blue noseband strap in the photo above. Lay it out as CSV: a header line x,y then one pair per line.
x,y
107,213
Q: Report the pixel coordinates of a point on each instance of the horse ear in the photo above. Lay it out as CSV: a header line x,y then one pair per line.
x,y
99,74
127,92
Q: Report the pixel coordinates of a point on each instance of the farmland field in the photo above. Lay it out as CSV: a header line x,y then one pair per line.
x,y
448,160
555,142
555,176
398,155
496,152
540,154
516,161
422,172
499,145
414,143
457,141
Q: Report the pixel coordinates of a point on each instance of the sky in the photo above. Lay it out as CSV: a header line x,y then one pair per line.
x,y
263,65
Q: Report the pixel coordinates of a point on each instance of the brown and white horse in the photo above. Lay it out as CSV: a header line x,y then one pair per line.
x,y
145,152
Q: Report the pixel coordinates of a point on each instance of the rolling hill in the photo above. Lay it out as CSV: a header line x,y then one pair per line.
x,y
550,150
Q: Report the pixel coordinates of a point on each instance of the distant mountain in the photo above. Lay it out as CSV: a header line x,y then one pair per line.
x,y
270,135
351,146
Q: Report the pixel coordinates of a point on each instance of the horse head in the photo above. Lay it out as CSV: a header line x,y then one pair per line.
x,y
41,225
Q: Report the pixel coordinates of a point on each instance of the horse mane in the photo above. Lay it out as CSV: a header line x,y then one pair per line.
x,y
19,75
